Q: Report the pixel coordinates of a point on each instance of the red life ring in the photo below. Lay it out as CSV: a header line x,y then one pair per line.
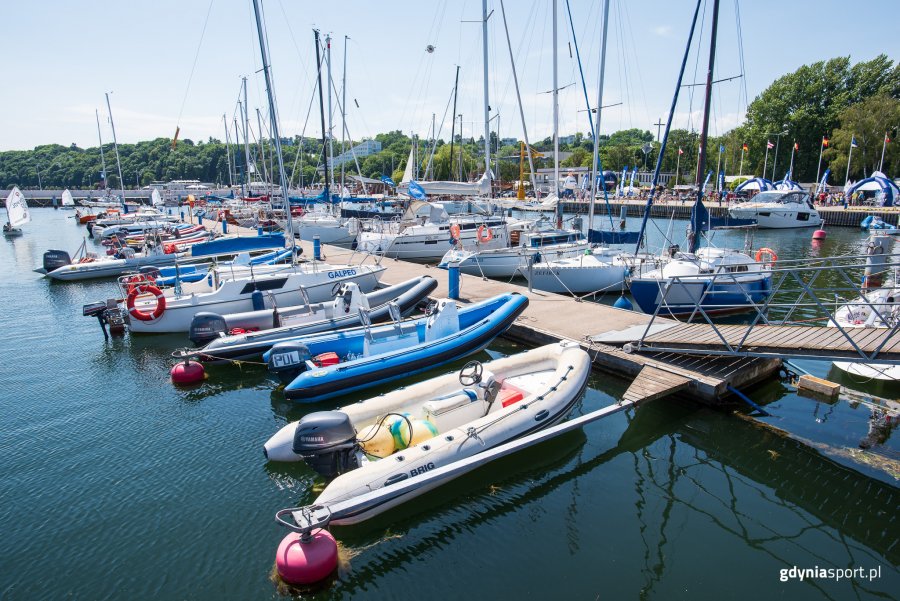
x,y
454,231
146,289
766,251
485,234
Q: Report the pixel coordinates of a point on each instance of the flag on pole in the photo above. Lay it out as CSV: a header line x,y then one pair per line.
x,y
769,144
388,181
853,143
680,151
824,141
796,146
416,191
721,148
886,138
175,139
744,147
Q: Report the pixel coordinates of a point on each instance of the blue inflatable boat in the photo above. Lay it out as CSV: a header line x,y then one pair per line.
x,y
321,367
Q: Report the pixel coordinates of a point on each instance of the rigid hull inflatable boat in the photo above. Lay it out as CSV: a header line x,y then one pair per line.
x,y
320,367
408,432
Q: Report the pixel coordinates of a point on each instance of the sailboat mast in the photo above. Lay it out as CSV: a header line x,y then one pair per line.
x,y
116,147
326,191
487,107
453,118
262,152
665,138
704,132
246,138
344,115
556,115
519,98
227,150
273,116
596,130
102,159
330,125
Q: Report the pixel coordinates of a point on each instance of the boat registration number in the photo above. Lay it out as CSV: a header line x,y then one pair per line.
x,y
286,359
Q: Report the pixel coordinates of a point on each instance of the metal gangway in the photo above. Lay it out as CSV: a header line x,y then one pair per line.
x,y
796,319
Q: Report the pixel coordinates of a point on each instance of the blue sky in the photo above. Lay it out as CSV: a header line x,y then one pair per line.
x,y
69,53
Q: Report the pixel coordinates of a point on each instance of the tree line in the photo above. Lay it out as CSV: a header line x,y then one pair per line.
x,y
825,105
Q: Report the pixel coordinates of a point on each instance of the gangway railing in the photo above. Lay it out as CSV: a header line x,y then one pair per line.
x,y
803,294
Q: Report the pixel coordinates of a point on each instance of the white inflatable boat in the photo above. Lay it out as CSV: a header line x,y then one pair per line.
x,y
411,431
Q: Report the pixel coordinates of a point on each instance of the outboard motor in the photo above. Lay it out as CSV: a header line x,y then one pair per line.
x,y
287,360
150,271
54,259
206,327
326,441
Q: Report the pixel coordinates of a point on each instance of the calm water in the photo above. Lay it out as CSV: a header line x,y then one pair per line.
x,y
114,485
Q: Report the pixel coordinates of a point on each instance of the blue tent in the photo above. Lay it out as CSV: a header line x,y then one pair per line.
x,y
885,190
757,183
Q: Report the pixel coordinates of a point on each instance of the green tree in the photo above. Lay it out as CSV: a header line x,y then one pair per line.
x,y
868,122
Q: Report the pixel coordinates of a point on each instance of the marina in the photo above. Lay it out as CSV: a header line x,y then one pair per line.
x,y
373,366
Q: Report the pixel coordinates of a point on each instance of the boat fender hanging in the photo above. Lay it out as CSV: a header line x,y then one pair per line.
x,y
454,231
769,252
143,315
485,234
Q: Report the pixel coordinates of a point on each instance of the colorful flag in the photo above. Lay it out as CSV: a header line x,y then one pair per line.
x,y
825,141
796,146
388,181
721,148
853,143
680,151
175,139
886,139
744,147
769,144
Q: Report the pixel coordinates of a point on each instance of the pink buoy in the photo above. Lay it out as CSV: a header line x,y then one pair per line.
x,y
187,372
306,562
819,235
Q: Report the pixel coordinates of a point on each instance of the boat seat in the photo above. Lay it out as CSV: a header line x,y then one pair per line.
x,y
455,410
443,322
377,346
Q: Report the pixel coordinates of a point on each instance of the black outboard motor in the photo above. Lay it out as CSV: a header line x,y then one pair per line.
x,y
206,327
287,360
327,442
54,259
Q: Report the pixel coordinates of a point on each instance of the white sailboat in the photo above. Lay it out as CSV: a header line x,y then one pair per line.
x,y
67,201
16,213
155,199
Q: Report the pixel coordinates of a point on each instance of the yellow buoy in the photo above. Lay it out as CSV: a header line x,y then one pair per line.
x,y
376,440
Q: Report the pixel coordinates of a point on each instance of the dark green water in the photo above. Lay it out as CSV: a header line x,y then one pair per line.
x,y
115,485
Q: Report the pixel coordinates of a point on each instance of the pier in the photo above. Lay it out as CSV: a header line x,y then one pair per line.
x,y
552,317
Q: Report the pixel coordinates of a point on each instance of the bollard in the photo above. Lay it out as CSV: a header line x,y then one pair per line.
x,y
224,227
317,249
453,284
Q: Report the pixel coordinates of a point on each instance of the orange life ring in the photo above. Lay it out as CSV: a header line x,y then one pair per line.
x,y
766,251
454,231
142,315
485,234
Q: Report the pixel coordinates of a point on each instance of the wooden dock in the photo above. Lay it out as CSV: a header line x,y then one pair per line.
x,y
775,341
551,317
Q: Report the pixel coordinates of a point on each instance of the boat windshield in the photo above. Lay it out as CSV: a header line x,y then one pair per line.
x,y
781,197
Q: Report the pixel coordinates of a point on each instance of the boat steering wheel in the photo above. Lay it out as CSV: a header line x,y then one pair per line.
x,y
430,308
470,374
336,289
